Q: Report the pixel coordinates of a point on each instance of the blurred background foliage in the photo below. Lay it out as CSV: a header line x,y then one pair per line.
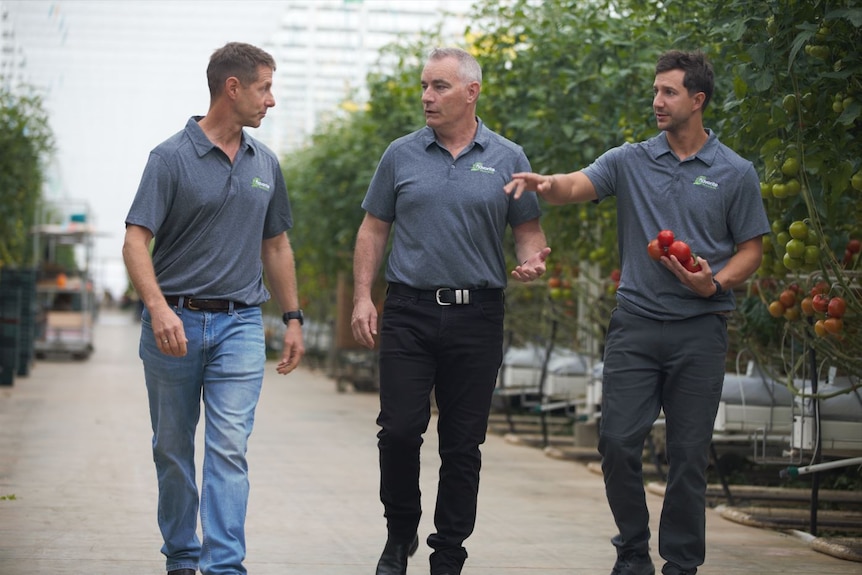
x,y
26,142
569,79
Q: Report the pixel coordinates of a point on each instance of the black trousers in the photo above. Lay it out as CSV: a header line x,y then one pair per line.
x,y
456,351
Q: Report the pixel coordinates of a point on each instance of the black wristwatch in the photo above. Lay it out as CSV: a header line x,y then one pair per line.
x,y
289,315
719,291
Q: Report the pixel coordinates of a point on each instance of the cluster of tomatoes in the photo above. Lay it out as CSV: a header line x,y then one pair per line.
x,y
851,251
559,288
797,247
665,244
829,310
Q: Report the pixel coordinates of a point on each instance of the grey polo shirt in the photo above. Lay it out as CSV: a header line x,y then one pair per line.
x,y
209,216
710,200
449,215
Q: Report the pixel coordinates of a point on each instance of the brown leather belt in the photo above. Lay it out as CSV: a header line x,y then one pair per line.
x,y
448,296
196,304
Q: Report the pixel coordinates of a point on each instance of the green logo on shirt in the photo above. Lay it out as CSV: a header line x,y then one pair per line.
x,y
260,184
702,181
478,167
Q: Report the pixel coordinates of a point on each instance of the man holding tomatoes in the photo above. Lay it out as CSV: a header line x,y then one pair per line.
x,y
667,338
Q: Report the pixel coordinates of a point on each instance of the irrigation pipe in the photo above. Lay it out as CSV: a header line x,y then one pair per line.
x,y
797,471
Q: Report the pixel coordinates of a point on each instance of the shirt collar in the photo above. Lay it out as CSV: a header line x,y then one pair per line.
x,y
203,144
481,138
706,154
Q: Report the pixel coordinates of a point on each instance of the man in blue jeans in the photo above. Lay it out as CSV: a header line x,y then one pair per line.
x,y
441,190
215,201
667,340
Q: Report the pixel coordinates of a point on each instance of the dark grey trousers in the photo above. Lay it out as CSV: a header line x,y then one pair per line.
x,y
650,366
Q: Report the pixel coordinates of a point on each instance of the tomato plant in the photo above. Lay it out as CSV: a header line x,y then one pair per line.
x,y
796,111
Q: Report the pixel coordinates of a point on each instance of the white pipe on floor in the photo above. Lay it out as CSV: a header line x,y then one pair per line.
x,y
797,471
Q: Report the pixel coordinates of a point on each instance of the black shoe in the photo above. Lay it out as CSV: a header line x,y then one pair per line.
x,y
633,565
393,561
182,572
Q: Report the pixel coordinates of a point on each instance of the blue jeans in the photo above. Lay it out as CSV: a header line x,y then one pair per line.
x,y
224,367
650,365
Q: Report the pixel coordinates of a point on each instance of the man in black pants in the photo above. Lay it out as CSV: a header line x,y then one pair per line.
x,y
441,190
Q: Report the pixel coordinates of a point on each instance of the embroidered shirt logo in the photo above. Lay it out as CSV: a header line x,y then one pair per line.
x,y
478,167
258,183
702,181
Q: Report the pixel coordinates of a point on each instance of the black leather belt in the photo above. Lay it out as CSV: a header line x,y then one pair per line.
x,y
196,304
448,296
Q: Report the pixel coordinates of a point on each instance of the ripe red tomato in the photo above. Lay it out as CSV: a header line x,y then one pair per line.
x,y
680,250
807,306
836,308
665,238
820,302
820,287
654,250
615,275
854,246
692,265
788,298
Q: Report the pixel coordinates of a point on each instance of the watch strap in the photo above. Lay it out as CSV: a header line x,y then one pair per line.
x,y
289,315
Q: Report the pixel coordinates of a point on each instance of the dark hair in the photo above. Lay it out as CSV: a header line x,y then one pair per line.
x,y
698,71
238,60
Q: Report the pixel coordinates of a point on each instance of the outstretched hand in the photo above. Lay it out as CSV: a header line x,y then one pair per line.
x,y
527,181
533,267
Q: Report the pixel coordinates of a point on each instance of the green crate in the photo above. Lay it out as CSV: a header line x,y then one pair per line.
x,y
25,281
10,332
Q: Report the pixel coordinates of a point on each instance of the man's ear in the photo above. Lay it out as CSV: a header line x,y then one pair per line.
x,y
231,87
699,99
473,90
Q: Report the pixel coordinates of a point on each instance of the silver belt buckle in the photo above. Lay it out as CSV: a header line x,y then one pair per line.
x,y
462,296
437,296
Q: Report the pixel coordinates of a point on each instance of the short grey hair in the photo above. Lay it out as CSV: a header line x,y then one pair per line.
x,y
468,68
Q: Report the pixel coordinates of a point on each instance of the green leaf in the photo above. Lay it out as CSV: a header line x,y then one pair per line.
x,y
850,113
853,15
801,39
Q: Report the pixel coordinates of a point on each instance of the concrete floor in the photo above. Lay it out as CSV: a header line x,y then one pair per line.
x,y
78,490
